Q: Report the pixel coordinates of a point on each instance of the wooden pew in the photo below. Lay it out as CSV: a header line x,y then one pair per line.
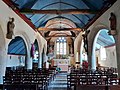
x,y
20,87
101,80
38,78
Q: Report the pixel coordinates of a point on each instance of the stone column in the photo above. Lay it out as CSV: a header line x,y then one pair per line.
x,y
81,56
2,64
40,61
43,58
77,60
89,56
93,61
117,38
29,61
93,66
92,48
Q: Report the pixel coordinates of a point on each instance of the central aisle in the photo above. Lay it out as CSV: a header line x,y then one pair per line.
x,y
59,83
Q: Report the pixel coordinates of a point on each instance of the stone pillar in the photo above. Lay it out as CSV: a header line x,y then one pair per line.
x,y
93,66
40,61
81,56
117,38
77,57
93,61
72,46
89,56
29,61
2,65
92,48
44,60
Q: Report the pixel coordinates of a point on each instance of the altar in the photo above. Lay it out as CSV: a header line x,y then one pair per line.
x,y
62,64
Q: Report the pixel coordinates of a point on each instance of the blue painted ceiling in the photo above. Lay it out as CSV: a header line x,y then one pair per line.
x,y
39,20
104,39
80,20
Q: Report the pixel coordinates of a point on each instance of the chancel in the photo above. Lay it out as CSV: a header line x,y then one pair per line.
x,y
59,45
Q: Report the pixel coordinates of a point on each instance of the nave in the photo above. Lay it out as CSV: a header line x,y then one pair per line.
x,y
59,82
51,79
59,44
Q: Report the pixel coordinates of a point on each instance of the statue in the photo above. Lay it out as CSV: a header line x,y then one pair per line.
x,y
10,27
113,24
85,40
32,52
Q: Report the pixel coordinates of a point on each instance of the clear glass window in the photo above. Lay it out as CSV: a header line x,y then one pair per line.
x,y
61,46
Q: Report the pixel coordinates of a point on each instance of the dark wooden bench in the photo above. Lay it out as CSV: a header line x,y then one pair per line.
x,y
20,87
76,79
39,78
92,87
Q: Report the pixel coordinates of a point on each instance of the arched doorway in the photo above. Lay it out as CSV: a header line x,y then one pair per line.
x,y
17,52
104,50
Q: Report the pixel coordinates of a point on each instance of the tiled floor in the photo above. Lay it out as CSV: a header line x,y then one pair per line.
x,y
59,83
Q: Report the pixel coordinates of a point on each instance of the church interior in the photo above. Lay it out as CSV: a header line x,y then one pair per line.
x,y
59,44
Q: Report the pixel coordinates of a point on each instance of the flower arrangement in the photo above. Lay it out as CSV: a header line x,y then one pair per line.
x,y
85,65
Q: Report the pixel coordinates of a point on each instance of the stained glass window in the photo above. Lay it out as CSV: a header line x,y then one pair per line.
x,y
61,46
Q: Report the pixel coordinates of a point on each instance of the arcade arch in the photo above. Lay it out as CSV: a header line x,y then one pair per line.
x,y
103,50
17,52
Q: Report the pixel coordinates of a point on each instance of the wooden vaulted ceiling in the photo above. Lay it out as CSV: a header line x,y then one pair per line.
x,y
56,18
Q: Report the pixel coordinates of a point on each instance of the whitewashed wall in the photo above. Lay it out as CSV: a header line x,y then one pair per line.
x,y
103,23
110,57
21,29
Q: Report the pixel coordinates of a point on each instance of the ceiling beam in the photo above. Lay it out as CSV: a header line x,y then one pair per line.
x,y
65,11
59,29
59,36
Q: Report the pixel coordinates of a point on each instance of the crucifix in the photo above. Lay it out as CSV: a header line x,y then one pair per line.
x,y
85,40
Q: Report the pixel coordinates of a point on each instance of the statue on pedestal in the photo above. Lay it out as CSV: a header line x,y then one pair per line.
x,y
113,24
10,28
